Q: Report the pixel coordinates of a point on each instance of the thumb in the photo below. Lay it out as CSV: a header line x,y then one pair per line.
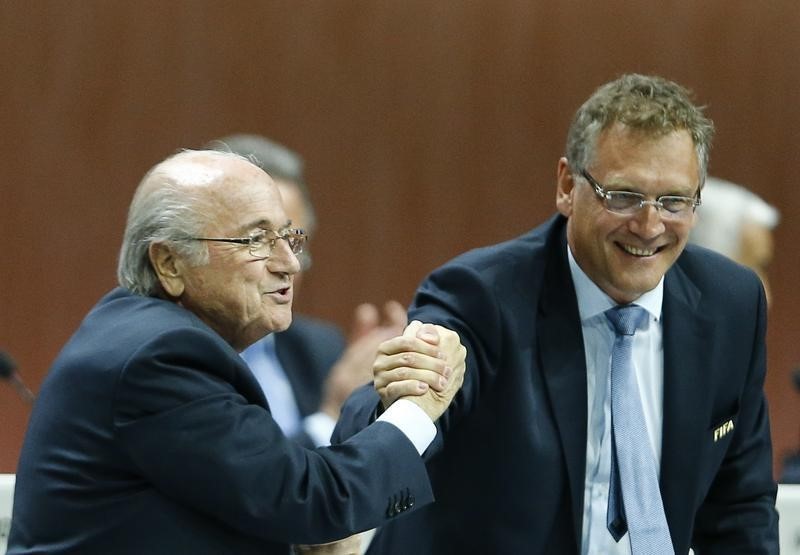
x,y
412,329
429,334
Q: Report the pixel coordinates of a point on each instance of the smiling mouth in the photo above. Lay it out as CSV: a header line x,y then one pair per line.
x,y
637,251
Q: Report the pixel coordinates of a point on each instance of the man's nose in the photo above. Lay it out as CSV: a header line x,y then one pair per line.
x,y
282,259
647,222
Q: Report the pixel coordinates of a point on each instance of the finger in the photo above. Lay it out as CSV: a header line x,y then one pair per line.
x,y
393,391
412,329
394,315
412,360
438,380
365,319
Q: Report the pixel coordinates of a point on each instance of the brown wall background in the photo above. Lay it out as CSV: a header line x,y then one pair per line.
x,y
428,126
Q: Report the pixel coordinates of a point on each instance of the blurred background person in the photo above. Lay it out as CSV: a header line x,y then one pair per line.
x,y
737,223
309,370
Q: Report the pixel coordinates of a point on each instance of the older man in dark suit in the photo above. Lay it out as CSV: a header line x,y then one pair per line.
x,y
575,432
150,433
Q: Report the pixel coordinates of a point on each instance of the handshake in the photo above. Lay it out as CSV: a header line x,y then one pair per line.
x,y
426,366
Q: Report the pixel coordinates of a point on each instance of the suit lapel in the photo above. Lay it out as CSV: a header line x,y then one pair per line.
x,y
563,364
687,387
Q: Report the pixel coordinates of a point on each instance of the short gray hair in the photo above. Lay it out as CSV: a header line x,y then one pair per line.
x,y
726,208
163,210
649,104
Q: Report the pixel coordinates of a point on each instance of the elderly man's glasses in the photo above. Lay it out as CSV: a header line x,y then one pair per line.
x,y
260,243
628,202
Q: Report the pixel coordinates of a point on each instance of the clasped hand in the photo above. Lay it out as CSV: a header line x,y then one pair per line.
x,y
425,365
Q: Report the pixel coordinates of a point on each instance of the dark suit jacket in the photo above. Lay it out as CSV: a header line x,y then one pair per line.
x,y
508,473
307,351
150,435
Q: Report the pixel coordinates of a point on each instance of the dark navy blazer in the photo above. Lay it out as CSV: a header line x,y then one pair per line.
x,y
151,435
508,472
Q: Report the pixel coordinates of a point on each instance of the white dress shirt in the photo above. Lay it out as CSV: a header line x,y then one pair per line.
x,y
263,361
648,360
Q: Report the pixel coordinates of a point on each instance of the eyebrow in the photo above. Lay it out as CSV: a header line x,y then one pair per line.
x,y
264,224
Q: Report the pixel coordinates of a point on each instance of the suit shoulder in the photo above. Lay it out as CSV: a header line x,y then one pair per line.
x,y
120,304
532,246
707,267
720,280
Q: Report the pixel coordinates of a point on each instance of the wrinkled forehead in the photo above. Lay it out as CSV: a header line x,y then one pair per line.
x,y
241,203
230,192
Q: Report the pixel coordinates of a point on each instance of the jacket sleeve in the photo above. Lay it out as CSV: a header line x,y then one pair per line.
x,y
194,437
462,299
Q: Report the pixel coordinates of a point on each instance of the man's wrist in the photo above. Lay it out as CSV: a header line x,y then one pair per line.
x,y
319,427
414,422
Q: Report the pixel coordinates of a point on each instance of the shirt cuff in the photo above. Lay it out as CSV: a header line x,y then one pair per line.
x,y
414,422
319,427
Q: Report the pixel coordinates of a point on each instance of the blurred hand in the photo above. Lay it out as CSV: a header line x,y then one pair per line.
x,y
354,367
425,365
347,546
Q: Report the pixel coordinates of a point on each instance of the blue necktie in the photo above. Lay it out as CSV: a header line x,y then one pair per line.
x,y
634,500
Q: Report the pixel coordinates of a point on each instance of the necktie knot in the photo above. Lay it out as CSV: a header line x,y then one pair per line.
x,y
626,319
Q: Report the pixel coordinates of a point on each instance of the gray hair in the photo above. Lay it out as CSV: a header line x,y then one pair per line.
x,y
726,208
649,104
165,209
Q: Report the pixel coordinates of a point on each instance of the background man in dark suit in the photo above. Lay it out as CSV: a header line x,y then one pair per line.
x,y
150,433
525,461
308,370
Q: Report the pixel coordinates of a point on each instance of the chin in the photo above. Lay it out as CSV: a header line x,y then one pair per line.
x,y
281,324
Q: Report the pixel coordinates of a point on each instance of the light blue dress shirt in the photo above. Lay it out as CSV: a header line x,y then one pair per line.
x,y
262,358
648,359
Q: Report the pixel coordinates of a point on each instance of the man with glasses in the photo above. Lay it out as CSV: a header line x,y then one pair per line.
x,y
308,370
613,399
150,433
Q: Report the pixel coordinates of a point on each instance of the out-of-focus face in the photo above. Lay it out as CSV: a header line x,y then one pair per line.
x,y
241,297
627,255
756,250
296,211
293,203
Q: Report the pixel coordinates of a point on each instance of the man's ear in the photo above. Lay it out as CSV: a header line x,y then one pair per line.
x,y
167,267
564,188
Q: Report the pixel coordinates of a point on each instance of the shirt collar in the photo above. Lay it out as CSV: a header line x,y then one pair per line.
x,y
593,301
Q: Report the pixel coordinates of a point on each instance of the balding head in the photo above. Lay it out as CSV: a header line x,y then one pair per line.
x,y
207,230
169,205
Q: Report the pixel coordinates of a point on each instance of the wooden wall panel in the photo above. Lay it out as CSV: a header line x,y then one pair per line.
x,y
429,127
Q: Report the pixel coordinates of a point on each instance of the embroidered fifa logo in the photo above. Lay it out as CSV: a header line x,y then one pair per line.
x,y
723,430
